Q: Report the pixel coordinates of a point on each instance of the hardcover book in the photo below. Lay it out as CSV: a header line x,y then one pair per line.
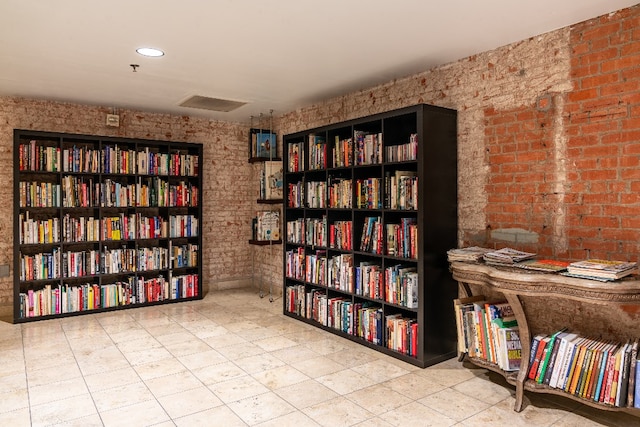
x,y
263,144
273,180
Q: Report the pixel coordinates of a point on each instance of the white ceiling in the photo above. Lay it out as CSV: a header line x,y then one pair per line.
x,y
273,54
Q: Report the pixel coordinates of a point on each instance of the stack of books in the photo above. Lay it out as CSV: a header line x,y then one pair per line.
x,y
599,269
470,254
506,256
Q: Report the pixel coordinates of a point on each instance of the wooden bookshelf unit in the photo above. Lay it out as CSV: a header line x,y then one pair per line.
x,y
104,223
370,210
522,289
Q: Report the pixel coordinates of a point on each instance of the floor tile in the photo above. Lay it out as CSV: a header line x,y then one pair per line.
x,y
337,412
145,413
107,400
318,366
62,410
454,404
216,373
222,415
414,414
261,408
57,391
345,381
14,400
280,377
201,359
414,386
189,402
111,379
306,393
293,419
259,363
378,399
159,368
170,384
17,417
238,388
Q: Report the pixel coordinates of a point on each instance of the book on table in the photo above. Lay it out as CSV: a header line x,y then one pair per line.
x,y
601,269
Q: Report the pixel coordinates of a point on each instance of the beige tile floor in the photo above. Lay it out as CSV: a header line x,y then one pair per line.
x,y
232,359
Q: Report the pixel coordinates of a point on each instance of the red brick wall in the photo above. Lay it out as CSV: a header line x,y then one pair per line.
x,y
602,121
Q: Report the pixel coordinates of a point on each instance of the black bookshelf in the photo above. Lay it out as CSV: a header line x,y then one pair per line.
x,y
104,223
315,160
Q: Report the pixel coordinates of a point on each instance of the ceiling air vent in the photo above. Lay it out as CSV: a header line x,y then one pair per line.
x,y
212,104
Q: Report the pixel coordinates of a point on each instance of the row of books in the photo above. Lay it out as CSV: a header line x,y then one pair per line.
x,y
400,240
403,152
363,149
317,152
340,193
109,159
488,330
309,231
601,371
90,229
316,194
66,298
365,320
368,194
57,264
401,192
594,269
396,284
77,191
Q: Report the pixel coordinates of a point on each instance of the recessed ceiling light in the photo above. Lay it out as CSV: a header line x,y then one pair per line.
x,y
149,51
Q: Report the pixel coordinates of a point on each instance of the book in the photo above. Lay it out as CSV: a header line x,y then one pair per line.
x,y
263,144
623,382
461,307
601,269
547,355
543,265
636,396
512,348
572,357
578,366
468,254
632,375
506,256
561,360
273,185
535,365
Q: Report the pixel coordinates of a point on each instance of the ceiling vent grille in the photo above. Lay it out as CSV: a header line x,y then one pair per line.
x,y
212,104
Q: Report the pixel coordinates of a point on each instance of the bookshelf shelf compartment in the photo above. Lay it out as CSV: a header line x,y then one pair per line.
x,y
518,287
337,183
265,242
110,204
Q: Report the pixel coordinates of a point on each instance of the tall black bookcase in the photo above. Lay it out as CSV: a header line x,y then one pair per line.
x,y
104,223
370,210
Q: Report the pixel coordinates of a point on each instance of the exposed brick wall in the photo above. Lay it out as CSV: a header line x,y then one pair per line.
x,y
602,120
548,146
227,191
